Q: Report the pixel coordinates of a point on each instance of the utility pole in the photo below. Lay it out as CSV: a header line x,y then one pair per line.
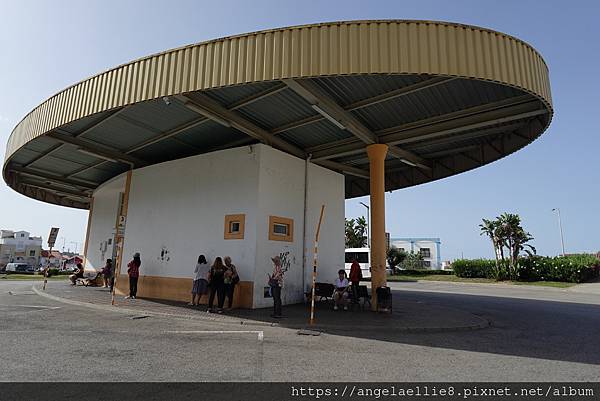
x,y
368,224
562,240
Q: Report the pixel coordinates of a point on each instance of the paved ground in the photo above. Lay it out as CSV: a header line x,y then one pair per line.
x,y
536,334
407,315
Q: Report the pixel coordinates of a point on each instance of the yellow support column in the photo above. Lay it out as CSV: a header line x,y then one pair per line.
x,y
377,153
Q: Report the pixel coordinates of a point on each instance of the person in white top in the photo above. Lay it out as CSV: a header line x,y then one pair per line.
x,y
200,286
340,295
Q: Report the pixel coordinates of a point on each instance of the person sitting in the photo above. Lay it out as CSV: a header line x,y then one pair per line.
x,y
106,273
340,295
78,274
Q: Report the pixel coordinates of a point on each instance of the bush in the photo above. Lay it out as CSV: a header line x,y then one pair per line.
x,y
421,272
474,268
53,272
572,268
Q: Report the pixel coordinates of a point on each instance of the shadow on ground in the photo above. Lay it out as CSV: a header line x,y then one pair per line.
x,y
552,330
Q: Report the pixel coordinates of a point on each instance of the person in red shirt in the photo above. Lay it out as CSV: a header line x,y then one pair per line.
x,y
133,270
355,277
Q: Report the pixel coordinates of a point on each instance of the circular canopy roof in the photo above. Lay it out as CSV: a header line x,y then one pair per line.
x,y
445,97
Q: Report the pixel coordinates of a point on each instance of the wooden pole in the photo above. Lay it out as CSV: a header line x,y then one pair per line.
x,y
314,275
46,269
120,237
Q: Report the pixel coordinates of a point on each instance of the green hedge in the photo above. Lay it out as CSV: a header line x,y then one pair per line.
x,y
56,272
572,269
421,272
474,268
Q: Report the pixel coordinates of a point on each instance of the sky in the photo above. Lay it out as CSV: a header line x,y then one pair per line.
x,y
49,45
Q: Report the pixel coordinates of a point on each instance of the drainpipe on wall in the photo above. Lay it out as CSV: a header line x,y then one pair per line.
x,y
304,223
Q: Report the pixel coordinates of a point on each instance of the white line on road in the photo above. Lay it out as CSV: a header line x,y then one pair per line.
x,y
259,333
36,306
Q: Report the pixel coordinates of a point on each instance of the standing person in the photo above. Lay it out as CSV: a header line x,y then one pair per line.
x,y
276,283
133,270
231,279
340,295
217,285
107,273
200,286
78,274
355,277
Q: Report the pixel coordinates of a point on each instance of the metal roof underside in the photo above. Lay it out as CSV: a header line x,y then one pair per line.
x,y
450,124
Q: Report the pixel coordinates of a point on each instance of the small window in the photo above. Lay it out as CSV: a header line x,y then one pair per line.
x,y
281,229
425,252
32,253
361,257
234,226
426,263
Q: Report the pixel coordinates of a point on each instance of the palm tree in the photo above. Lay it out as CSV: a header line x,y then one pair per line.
x,y
515,238
491,229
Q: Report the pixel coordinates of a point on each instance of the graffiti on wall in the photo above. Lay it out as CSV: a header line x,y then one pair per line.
x,y
286,260
163,256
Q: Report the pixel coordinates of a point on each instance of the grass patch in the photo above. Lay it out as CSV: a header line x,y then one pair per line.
x,y
556,284
453,278
438,277
30,277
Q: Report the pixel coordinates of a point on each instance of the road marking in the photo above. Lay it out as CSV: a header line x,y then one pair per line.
x,y
259,333
36,306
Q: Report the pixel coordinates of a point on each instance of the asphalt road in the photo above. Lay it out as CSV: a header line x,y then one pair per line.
x,y
536,335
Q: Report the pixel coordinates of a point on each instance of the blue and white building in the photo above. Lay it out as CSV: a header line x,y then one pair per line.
x,y
429,248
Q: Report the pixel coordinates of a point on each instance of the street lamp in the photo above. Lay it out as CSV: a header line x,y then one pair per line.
x,y
368,223
562,241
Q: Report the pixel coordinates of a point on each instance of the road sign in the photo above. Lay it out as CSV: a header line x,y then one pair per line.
x,y
52,236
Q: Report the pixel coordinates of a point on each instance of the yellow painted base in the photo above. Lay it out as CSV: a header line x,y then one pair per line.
x,y
180,289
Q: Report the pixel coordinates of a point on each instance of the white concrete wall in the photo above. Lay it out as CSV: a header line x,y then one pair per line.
x,y
325,187
104,215
281,193
177,209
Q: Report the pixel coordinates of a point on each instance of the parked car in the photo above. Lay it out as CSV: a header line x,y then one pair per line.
x,y
18,267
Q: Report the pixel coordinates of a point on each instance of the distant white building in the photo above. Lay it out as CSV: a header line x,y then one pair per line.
x,y
428,248
18,246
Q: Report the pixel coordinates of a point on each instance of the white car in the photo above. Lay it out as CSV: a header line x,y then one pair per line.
x,y
18,267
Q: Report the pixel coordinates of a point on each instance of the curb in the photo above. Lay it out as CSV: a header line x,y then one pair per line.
x,y
127,311
247,322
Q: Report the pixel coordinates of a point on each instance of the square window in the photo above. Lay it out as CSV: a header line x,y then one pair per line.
x,y
425,252
281,229
234,226
32,253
